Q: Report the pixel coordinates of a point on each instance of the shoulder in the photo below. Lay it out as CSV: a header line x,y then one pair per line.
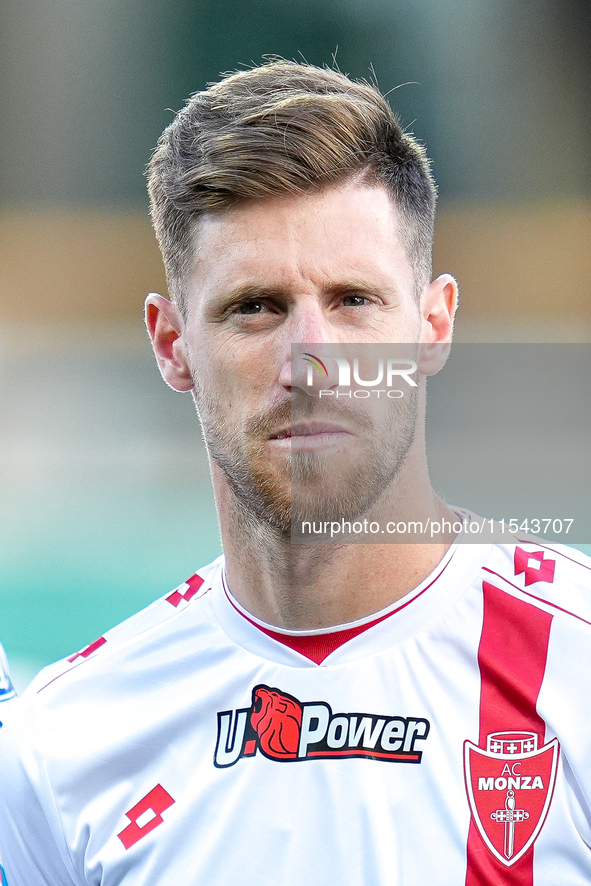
x,y
137,638
85,720
547,575
542,573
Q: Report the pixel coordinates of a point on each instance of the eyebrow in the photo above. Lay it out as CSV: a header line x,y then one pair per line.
x,y
253,292
360,286
246,293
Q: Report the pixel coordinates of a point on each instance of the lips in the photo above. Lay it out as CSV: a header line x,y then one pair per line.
x,y
310,429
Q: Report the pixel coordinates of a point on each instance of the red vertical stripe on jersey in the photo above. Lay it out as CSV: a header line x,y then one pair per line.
x,y
512,660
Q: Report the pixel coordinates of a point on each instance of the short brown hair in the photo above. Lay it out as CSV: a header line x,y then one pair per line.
x,y
283,128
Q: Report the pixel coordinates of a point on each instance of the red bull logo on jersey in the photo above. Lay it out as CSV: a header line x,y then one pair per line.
x,y
284,729
510,786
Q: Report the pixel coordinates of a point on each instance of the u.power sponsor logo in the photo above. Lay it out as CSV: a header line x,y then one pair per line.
x,y
284,729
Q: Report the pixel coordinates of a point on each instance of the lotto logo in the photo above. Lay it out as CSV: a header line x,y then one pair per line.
x,y
84,653
285,729
145,816
186,591
534,566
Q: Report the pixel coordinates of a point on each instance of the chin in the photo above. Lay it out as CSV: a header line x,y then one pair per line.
x,y
281,493
316,489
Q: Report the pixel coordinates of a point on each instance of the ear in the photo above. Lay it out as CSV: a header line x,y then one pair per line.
x,y
166,328
438,308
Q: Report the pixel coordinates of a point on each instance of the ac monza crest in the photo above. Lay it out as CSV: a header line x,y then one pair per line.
x,y
510,787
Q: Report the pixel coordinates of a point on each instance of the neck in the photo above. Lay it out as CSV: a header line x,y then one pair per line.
x,y
306,587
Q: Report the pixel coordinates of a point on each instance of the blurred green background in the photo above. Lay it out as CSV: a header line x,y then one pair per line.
x,y
105,500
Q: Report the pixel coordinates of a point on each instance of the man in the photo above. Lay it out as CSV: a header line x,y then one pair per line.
x,y
321,713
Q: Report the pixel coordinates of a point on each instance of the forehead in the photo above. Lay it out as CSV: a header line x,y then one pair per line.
x,y
347,231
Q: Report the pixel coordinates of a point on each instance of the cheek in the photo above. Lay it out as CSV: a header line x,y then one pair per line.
x,y
236,372
211,364
236,386
411,323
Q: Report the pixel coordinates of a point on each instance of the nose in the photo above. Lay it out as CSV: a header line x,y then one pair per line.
x,y
309,332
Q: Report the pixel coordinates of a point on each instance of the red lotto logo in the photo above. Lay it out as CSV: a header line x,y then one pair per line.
x,y
534,566
84,653
185,591
145,816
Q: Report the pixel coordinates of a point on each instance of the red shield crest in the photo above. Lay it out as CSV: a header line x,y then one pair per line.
x,y
510,786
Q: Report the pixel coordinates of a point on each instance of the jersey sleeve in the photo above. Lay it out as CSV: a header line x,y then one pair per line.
x,y
32,845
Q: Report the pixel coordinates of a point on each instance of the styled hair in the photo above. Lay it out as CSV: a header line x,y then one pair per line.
x,y
283,128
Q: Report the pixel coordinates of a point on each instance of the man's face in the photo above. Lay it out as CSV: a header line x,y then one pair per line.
x,y
314,269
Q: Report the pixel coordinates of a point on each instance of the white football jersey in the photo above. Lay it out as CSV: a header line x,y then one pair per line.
x,y
445,740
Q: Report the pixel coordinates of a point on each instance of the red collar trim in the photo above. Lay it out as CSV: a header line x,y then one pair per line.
x,y
317,647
